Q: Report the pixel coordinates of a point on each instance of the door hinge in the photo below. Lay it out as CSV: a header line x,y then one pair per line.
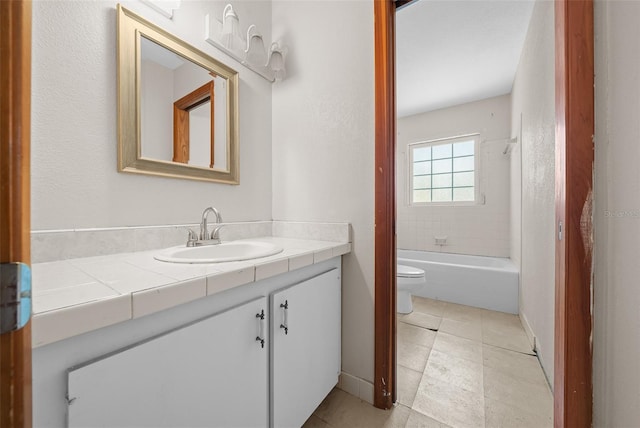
x,y
15,296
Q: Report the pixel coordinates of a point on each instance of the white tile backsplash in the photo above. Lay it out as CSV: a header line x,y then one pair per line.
x,y
57,245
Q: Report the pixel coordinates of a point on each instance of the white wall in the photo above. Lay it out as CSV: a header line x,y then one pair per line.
x,y
323,145
75,183
481,229
533,102
616,338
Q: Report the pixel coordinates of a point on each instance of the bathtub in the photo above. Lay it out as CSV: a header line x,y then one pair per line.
x,y
483,282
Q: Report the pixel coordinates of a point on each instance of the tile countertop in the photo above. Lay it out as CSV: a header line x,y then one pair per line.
x,y
106,290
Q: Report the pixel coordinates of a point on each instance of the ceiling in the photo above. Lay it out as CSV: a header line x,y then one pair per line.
x,y
451,52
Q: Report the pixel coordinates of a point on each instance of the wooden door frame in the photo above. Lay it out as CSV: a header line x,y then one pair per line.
x,y
574,40
15,193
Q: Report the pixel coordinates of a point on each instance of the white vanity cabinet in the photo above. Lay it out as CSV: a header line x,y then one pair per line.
x,y
305,347
202,364
212,373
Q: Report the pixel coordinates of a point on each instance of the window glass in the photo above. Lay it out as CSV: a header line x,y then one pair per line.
x,y
443,171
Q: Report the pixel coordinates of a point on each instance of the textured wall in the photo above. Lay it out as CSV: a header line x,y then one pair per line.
x,y
323,145
533,102
481,229
616,338
75,180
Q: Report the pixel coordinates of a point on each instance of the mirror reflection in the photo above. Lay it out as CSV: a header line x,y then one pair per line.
x,y
177,106
183,109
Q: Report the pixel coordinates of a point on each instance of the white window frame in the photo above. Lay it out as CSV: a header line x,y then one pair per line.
x,y
436,142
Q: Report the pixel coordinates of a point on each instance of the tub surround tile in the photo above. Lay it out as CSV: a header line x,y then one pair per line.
x,y
156,299
51,326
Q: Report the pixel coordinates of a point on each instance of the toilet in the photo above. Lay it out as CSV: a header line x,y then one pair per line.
x,y
409,280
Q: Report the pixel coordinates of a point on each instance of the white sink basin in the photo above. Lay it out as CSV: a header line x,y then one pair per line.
x,y
225,252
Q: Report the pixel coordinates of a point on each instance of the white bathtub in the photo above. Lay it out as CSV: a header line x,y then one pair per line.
x,y
483,282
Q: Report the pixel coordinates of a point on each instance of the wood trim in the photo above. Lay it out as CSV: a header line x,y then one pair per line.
x,y
573,389
181,110
385,206
15,128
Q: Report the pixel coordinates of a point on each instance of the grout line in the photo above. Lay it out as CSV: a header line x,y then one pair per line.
x,y
534,354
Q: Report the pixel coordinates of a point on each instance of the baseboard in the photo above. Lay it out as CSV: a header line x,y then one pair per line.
x,y
528,330
356,386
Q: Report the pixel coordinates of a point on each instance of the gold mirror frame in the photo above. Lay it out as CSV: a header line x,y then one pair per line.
x,y
131,28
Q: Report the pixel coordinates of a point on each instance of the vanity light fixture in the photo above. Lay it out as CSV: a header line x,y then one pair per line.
x,y
230,34
250,52
276,62
255,54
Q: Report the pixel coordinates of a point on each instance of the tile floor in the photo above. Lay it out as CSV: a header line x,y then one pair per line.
x,y
458,366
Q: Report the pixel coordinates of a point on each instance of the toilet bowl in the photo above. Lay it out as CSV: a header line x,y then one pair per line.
x,y
409,280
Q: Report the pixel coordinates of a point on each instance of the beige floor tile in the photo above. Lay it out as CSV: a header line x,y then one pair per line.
x,y
450,404
515,341
421,320
408,382
501,321
515,364
458,347
462,313
409,333
472,331
418,420
531,397
413,356
455,371
341,410
502,415
428,306
315,422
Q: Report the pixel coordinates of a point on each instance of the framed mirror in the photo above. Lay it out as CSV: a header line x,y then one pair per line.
x,y
177,106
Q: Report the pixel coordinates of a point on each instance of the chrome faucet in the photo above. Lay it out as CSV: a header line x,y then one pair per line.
x,y
204,238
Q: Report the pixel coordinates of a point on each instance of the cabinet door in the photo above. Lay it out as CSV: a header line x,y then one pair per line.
x,y
305,347
211,373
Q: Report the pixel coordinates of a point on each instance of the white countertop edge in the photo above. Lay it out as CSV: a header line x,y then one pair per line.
x,y
64,321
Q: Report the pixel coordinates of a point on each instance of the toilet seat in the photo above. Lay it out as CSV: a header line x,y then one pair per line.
x,y
404,271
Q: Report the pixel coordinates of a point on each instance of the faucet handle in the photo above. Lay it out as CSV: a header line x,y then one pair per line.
x,y
193,238
215,234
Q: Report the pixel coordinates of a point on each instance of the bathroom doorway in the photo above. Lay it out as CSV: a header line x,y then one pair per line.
x,y
572,278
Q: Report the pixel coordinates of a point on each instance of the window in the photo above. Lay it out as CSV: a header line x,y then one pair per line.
x,y
443,171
